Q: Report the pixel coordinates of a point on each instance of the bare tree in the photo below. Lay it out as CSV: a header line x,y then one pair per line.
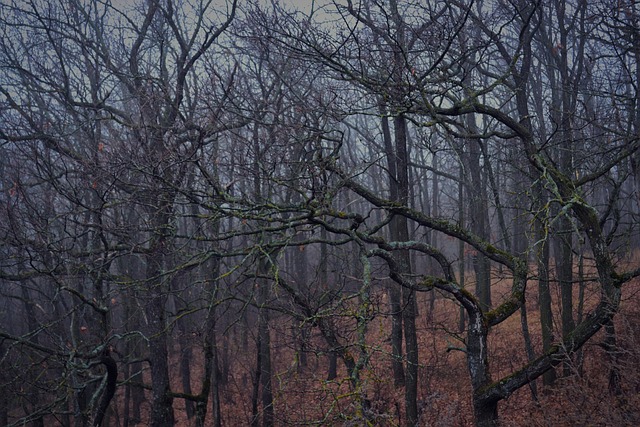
x,y
441,93
114,103
195,204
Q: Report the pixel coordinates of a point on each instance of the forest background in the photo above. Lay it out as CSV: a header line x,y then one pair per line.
x,y
348,213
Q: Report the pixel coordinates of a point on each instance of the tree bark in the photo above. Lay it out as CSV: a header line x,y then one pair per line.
x,y
478,222
544,294
264,348
255,394
395,297
400,233
461,245
564,273
162,401
265,373
110,389
211,377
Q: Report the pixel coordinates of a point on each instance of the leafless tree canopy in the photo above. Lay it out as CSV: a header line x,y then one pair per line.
x,y
348,212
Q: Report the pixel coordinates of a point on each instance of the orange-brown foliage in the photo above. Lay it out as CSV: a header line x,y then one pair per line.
x,y
303,396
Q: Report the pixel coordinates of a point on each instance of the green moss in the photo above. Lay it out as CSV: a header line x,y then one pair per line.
x,y
492,249
467,294
429,282
507,308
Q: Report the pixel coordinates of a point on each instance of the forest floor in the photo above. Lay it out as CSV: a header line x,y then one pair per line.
x,y
303,396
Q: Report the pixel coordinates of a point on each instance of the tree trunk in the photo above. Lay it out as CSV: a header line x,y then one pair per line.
x,y
479,221
210,380
433,236
255,394
264,349
185,367
109,390
485,410
265,372
32,324
564,272
486,414
528,346
411,345
210,383
564,264
544,295
395,302
611,347
400,233
332,372
162,402
395,297
216,382
461,254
